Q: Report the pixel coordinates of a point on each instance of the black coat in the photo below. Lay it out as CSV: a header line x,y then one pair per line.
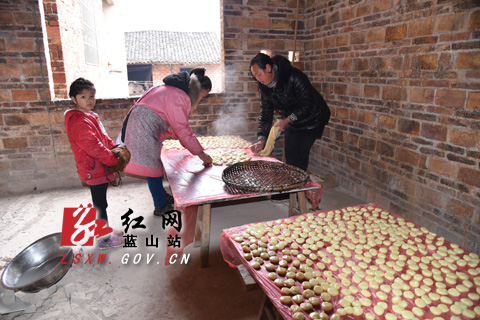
x,y
295,97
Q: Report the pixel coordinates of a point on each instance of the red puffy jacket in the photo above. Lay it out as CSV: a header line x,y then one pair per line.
x,y
90,145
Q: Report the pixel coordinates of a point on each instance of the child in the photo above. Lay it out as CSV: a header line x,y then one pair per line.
x,y
91,148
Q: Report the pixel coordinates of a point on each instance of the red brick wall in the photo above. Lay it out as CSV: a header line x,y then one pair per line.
x,y
402,81
246,31
214,72
401,78
55,47
23,123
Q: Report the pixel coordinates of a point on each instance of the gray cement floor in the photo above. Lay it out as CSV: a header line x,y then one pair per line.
x,y
114,290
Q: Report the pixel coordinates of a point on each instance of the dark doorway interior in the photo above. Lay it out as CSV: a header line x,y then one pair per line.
x,y
139,78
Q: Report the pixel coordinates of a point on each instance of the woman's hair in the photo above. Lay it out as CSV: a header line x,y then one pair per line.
x,y
205,82
79,85
261,60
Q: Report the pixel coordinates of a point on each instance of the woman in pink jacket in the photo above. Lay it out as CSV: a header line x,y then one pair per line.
x,y
161,112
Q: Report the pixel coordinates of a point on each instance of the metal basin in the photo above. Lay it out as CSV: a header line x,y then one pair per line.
x,y
39,266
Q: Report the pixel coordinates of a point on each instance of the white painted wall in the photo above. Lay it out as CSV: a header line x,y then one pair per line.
x,y
115,82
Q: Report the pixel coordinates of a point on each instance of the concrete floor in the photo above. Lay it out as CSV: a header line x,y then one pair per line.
x,y
114,290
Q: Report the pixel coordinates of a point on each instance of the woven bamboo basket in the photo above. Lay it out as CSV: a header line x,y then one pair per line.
x,y
264,176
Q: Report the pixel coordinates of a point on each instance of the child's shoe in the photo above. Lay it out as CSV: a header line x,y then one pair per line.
x,y
114,241
118,233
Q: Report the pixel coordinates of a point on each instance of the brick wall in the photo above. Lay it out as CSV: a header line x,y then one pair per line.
x,y
25,140
214,72
57,62
34,150
250,26
402,80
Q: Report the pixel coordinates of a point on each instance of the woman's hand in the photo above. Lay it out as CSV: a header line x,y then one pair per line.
x,y
257,147
207,160
282,124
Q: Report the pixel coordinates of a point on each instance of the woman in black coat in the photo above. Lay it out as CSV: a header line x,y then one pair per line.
x,y
287,89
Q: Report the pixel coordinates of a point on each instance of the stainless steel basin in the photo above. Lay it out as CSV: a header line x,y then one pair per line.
x,y
39,266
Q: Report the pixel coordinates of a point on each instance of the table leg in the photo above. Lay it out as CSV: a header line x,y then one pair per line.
x,y
198,231
268,311
204,250
292,204
302,202
300,199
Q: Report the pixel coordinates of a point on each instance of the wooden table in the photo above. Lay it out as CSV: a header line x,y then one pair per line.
x,y
194,185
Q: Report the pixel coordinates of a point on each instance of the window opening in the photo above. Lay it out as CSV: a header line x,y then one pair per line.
x,y
139,79
89,32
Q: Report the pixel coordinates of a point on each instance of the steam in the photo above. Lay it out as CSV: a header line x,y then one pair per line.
x,y
231,121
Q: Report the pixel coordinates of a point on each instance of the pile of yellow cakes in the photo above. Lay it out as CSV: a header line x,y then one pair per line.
x,y
211,142
224,150
362,262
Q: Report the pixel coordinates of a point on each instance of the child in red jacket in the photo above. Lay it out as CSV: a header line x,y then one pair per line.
x,y
91,148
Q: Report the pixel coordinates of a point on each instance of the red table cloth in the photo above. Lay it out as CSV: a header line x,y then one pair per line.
x,y
192,184
365,262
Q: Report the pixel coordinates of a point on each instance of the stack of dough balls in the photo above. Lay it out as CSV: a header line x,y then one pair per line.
x,y
211,142
227,156
362,262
